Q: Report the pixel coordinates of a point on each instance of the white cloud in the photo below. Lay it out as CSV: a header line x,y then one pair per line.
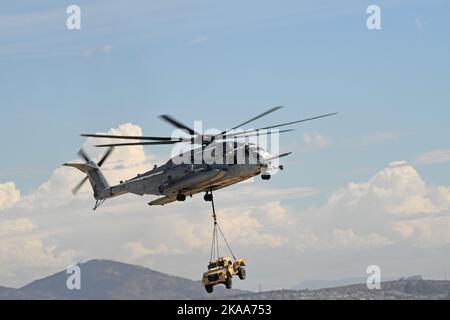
x,y
347,239
9,195
241,227
63,224
123,157
398,190
315,140
124,163
433,157
138,250
22,225
22,253
264,192
425,232
199,40
89,52
382,137
244,228
394,207
31,253
276,214
107,48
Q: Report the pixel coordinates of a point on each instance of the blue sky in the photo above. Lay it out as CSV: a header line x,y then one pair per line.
x,y
224,62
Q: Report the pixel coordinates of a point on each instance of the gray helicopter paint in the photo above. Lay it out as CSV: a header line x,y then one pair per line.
x,y
170,179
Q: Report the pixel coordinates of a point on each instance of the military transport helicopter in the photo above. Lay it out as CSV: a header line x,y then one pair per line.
x,y
174,181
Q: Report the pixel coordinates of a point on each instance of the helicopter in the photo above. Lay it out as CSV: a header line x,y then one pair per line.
x,y
225,160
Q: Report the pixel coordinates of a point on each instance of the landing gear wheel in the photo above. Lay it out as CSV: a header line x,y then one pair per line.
x,y
181,197
229,282
266,176
242,273
209,288
208,197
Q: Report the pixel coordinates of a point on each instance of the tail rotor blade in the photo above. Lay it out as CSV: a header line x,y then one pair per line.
x,y
79,186
106,156
84,155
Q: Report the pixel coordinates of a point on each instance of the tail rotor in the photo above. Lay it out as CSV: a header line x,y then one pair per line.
x,y
83,155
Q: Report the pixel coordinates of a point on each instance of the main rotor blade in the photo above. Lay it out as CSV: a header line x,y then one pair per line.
x,y
79,186
300,121
106,136
138,144
84,155
294,122
178,124
255,118
254,133
278,156
106,156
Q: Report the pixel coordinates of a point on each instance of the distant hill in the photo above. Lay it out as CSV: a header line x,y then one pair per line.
x,y
327,284
5,291
393,290
109,280
106,280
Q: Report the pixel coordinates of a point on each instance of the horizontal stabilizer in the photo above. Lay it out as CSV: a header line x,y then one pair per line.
x,y
162,201
83,167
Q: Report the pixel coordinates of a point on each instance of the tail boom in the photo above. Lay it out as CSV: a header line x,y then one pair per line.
x,y
98,182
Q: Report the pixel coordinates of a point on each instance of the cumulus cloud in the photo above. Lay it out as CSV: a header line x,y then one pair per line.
x,y
397,190
394,205
425,231
14,226
139,250
64,226
259,192
124,163
316,140
276,214
9,195
347,239
245,228
50,228
32,253
124,156
21,252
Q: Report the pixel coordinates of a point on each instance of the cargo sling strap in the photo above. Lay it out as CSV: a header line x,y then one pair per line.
x,y
215,255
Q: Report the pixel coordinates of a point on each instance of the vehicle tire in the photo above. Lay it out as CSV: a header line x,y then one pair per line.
x,y
266,176
209,288
181,197
208,197
242,273
229,282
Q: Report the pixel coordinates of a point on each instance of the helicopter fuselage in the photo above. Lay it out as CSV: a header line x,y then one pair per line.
x,y
176,181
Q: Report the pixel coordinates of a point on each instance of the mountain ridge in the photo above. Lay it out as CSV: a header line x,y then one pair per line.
x,y
112,280
391,290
